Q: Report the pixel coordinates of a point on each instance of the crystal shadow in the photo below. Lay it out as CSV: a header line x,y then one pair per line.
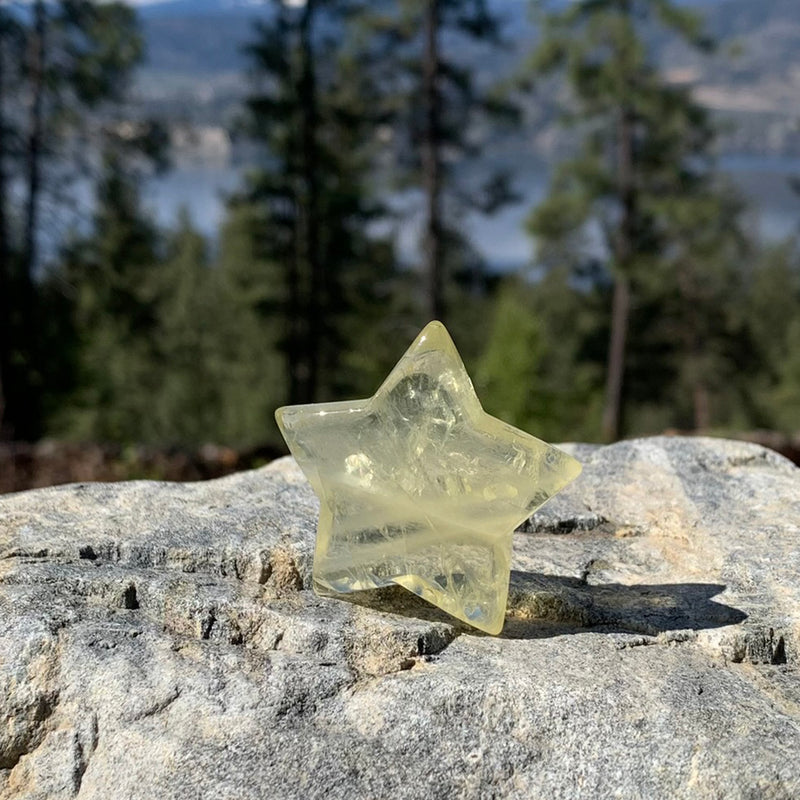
x,y
549,605
542,606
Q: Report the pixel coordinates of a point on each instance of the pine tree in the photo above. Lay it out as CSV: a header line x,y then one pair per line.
x,y
80,54
310,110
786,397
14,380
508,378
643,141
770,305
248,368
185,408
539,369
433,105
59,63
114,275
696,290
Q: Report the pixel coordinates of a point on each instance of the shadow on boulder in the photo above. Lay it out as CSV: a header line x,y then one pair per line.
x,y
549,605
541,606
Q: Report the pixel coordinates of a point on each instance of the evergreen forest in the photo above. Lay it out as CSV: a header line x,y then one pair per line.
x,y
650,302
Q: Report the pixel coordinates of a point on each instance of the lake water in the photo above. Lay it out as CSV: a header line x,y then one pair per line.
x,y
501,239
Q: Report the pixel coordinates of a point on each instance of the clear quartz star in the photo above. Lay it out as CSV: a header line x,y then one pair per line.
x,y
419,486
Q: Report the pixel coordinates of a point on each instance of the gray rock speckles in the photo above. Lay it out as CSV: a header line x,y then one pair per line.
x,y
161,640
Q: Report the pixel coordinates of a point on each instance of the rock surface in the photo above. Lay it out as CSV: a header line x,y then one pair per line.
x,y
160,641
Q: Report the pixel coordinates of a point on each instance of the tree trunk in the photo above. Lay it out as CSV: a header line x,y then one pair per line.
x,y
34,149
693,345
294,329
5,248
21,412
620,308
432,167
620,311
702,406
310,232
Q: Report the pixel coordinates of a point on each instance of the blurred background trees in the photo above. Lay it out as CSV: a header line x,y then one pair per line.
x,y
642,155
369,146
63,67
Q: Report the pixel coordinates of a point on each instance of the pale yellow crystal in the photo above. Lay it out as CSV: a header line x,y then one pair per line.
x,y
420,487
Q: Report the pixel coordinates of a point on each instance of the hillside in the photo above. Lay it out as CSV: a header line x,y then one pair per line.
x,y
195,70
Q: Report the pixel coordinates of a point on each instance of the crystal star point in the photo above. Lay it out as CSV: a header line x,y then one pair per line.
x,y
420,487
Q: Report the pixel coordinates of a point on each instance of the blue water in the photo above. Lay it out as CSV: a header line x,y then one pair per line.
x,y
501,239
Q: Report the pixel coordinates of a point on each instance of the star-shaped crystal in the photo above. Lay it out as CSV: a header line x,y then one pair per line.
x,y
419,486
